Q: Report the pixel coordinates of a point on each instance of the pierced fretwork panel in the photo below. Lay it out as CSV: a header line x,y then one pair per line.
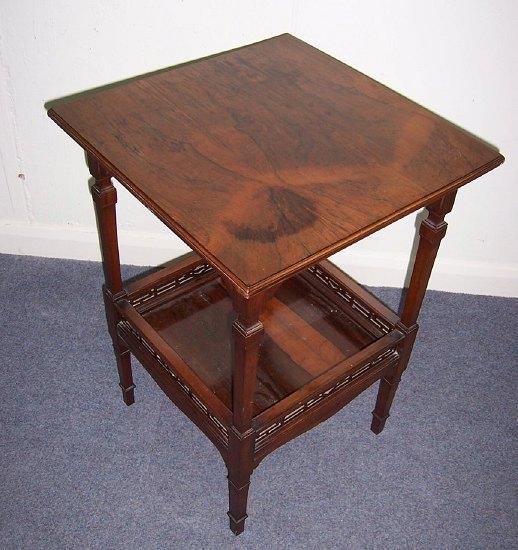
x,y
185,388
352,301
171,284
264,435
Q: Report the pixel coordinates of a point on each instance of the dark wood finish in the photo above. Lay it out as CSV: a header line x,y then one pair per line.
x,y
164,372
269,158
305,335
251,397
191,326
266,160
247,333
139,287
431,232
105,198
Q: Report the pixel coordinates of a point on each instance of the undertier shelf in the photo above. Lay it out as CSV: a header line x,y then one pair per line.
x,y
312,323
304,336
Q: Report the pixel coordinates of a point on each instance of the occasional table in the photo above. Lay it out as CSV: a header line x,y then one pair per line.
x,y
266,160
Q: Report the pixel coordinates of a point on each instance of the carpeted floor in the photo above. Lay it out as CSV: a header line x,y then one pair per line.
x,y
78,469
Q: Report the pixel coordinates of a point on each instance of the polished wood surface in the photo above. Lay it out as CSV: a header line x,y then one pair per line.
x,y
305,335
268,158
104,196
431,232
255,373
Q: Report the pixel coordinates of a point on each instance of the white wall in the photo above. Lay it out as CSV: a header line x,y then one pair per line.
x,y
459,58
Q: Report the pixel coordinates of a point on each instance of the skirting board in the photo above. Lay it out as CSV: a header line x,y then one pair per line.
x,y
374,269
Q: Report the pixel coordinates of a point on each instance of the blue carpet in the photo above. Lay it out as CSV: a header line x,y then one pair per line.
x,y
78,469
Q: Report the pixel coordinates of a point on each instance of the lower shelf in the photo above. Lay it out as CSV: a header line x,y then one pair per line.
x,y
305,335
325,338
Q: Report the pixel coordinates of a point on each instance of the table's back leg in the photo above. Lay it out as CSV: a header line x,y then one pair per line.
x,y
105,198
431,232
247,332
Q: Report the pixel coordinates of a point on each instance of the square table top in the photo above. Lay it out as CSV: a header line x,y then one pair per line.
x,y
268,158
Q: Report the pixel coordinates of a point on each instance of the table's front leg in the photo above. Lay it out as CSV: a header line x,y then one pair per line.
x,y
105,198
247,334
431,232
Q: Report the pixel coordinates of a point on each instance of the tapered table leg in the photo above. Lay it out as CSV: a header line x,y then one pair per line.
x,y
105,198
431,232
247,332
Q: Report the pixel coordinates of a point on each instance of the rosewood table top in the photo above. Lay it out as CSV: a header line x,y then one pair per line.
x,y
270,157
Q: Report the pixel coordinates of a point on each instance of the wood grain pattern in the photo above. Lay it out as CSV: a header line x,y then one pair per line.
x,y
266,159
270,157
301,341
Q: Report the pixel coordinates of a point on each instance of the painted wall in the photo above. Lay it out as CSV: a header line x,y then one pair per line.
x,y
458,58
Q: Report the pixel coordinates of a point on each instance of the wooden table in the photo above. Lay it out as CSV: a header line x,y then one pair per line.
x,y
266,160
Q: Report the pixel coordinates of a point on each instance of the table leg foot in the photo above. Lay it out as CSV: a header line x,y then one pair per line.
x,y
386,393
237,526
378,423
121,351
128,394
390,382
238,497
125,376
